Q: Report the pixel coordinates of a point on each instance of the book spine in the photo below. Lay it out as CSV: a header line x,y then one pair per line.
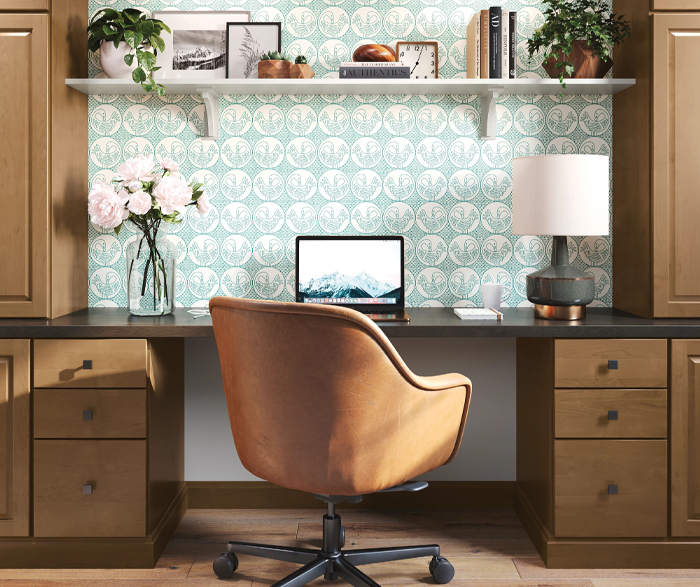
x,y
477,36
375,72
495,43
471,56
513,41
484,44
373,64
505,44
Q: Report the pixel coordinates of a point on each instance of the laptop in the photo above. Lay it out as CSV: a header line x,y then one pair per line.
x,y
364,273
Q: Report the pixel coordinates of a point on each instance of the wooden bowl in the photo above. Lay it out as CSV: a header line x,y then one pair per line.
x,y
301,71
374,53
273,69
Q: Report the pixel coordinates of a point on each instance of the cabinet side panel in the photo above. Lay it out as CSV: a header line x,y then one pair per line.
x,y
534,411
632,286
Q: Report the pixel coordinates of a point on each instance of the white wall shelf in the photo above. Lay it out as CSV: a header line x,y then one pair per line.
x,y
489,90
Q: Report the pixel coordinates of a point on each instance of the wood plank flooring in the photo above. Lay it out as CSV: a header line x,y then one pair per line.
x,y
487,549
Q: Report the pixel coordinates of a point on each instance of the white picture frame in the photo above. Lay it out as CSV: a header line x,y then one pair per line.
x,y
241,62
184,39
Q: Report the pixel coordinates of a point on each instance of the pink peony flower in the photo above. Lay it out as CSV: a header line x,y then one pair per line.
x,y
203,205
107,207
139,167
172,193
169,165
139,202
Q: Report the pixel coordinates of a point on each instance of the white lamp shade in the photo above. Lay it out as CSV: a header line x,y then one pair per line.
x,y
561,195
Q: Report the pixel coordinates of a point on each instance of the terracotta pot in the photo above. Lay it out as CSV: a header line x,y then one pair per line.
x,y
586,64
112,60
373,53
301,71
274,69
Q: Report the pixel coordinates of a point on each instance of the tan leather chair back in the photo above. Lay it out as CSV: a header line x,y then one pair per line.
x,y
320,401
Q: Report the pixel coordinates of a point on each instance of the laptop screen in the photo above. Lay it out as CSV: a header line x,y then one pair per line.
x,y
350,271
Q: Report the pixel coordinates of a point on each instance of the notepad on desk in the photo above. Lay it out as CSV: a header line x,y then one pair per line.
x,y
478,314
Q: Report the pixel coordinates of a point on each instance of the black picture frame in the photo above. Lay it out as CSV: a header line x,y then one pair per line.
x,y
400,301
253,25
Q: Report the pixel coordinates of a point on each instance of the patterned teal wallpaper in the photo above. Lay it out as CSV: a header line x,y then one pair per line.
x,y
288,165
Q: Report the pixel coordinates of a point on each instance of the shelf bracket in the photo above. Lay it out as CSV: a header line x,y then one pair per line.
x,y
211,113
488,113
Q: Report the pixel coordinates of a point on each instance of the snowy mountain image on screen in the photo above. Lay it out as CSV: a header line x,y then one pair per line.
x,y
335,285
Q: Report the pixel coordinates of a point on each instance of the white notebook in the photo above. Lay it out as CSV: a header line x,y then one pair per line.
x,y
478,314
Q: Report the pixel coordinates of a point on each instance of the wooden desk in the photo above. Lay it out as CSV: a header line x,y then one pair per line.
x,y
606,413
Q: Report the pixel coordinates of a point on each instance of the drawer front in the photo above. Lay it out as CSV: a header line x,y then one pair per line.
x,y
610,413
90,413
64,472
588,472
90,363
675,4
610,363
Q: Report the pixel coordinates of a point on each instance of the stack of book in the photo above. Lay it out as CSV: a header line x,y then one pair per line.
x,y
491,40
374,70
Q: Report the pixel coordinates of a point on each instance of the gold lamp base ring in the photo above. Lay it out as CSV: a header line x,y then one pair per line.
x,y
560,312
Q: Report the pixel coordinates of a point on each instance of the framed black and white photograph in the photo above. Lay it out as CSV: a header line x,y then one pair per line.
x,y
197,46
246,42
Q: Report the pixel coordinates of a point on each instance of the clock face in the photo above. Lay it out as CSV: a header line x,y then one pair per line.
x,y
422,58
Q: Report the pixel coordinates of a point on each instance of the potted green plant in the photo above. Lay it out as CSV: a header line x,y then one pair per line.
x,y
274,65
577,38
301,68
128,42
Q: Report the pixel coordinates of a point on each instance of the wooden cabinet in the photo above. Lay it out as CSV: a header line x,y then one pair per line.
x,y
685,437
656,210
14,438
43,125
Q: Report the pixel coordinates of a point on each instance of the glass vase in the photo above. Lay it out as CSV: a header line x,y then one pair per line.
x,y
150,274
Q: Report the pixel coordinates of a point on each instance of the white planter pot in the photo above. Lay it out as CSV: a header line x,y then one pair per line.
x,y
112,60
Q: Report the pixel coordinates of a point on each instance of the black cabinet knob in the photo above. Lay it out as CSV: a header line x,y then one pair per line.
x,y
612,364
612,414
87,414
87,489
612,489
87,364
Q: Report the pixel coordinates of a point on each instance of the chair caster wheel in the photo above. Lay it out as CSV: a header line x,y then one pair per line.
x,y
342,536
225,565
441,569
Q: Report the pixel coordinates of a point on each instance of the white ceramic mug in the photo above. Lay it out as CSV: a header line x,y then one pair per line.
x,y
492,295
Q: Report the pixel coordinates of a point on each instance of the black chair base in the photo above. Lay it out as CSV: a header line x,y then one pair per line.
x,y
331,562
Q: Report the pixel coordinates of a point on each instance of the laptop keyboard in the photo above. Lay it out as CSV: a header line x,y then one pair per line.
x,y
378,311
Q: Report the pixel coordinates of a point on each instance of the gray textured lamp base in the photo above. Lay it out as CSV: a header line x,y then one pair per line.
x,y
560,312
560,292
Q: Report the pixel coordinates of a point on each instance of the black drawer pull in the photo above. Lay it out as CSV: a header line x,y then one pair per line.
x,y
612,489
87,364
612,364
612,414
87,414
87,489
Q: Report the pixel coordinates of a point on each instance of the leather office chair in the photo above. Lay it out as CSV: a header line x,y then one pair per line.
x,y
321,402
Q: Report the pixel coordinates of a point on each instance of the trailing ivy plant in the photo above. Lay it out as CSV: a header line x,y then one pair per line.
x,y
577,20
139,32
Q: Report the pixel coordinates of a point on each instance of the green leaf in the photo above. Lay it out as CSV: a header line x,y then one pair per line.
x,y
130,37
139,75
118,228
129,59
157,42
147,60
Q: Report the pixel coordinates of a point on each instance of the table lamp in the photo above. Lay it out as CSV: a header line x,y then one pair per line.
x,y
561,195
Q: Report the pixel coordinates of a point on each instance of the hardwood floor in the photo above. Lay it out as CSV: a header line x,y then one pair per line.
x,y
487,549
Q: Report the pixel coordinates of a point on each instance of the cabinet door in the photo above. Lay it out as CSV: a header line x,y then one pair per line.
x,y
685,438
14,437
675,4
676,209
24,165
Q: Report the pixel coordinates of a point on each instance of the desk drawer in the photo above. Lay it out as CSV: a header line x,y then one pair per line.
x,y
586,473
90,413
116,470
610,413
90,363
610,363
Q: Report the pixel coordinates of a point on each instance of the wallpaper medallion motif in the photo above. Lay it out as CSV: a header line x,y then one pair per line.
x,y
290,165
